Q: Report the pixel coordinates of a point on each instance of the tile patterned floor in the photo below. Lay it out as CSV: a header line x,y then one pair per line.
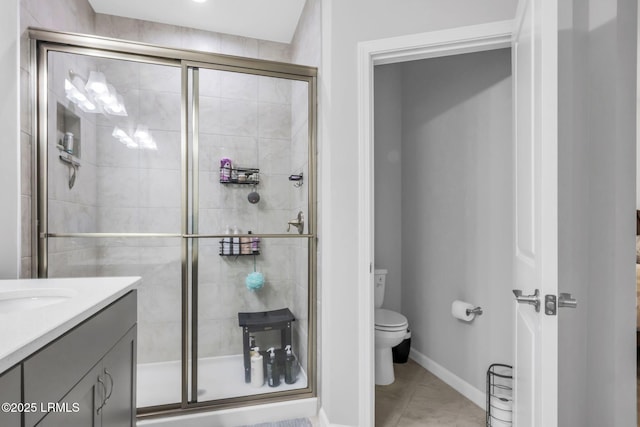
x,y
419,398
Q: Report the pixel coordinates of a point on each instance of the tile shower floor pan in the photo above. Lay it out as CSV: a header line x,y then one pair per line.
x,y
218,378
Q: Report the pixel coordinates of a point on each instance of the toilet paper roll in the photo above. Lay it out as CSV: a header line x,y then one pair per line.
x,y
501,407
459,310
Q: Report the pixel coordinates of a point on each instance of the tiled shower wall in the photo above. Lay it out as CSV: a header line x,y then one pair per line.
x,y
254,130
140,192
75,209
128,188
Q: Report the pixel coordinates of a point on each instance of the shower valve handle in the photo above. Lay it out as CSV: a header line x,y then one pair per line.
x,y
298,223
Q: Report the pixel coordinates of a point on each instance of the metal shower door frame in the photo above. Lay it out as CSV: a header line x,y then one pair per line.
x,y
45,41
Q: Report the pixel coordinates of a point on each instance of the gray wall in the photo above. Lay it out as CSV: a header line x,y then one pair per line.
x,y
388,180
452,199
457,208
10,193
597,118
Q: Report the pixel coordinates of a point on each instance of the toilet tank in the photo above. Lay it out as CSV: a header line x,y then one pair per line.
x,y
379,283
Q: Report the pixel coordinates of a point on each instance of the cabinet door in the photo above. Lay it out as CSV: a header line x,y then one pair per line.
x,y
10,392
119,372
50,373
79,407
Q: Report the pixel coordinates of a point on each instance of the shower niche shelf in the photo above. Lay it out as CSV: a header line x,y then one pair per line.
x,y
239,175
68,142
69,129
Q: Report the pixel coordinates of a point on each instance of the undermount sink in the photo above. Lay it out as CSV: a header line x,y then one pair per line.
x,y
28,299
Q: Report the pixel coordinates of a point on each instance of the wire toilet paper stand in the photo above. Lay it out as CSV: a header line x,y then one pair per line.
x,y
499,395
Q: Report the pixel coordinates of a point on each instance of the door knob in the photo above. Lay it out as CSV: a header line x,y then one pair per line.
x,y
528,299
565,300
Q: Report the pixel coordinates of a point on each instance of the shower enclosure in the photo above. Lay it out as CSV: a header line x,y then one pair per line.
x,y
190,170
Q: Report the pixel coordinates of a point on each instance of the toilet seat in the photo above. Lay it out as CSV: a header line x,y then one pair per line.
x,y
390,321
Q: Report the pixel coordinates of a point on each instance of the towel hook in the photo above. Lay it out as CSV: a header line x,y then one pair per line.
x,y
297,180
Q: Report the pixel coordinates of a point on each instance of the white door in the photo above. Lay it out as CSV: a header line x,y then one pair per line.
x,y
535,72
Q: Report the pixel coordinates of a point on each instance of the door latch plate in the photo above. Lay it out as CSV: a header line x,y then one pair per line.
x,y
550,305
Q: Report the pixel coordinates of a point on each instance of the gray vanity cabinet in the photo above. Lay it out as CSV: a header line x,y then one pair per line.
x,y
85,394
10,391
119,366
89,372
105,395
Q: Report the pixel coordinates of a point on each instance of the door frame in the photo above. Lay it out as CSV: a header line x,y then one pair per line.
x,y
475,38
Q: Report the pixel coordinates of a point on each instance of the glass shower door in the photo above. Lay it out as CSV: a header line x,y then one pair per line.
x,y
113,194
251,274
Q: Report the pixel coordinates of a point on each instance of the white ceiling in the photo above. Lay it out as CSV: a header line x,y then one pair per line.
x,y
274,20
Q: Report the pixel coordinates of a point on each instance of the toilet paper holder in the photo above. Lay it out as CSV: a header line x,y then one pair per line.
x,y
476,310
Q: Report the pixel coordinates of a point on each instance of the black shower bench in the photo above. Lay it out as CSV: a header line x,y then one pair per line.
x,y
262,321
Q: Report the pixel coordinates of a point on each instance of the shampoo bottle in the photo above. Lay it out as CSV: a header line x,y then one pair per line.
x,y
290,367
255,244
257,369
235,242
226,242
225,169
273,375
245,245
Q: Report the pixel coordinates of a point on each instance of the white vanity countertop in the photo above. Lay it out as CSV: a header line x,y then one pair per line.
x,y
24,332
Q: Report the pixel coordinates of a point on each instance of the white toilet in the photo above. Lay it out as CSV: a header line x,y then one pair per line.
x,y
391,328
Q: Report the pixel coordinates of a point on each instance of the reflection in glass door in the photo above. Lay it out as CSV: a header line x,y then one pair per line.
x,y
149,165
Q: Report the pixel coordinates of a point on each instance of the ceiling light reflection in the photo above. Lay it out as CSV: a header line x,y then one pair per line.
x,y
94,96
74,93
141,138
97,83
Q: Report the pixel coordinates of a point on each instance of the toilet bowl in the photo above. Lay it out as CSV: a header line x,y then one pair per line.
x,y
390,329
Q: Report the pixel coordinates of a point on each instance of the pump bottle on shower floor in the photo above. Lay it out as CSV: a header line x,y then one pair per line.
x,y
273,375
257,370
290,367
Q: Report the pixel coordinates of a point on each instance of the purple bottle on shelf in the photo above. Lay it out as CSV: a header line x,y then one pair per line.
x,y
255,244
225,169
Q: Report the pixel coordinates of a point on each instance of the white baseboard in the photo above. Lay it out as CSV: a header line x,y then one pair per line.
x,y
324,420
461,386
322,416
270,412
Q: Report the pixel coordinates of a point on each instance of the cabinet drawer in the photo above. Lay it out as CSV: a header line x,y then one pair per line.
x,y
51,372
